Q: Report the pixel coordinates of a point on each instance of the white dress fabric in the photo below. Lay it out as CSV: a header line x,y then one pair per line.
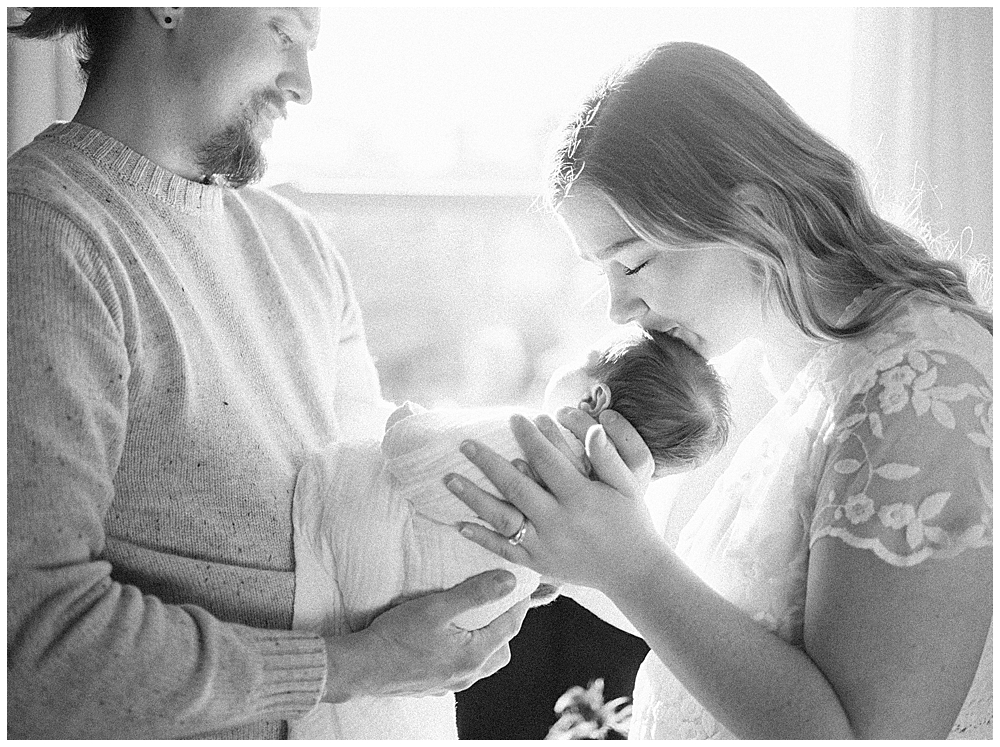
x,y
884,443
375,525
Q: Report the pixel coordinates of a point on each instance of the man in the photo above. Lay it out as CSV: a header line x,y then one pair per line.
x,y
176,346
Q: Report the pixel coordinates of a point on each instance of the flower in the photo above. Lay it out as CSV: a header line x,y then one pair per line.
x,y
896,377
859,508
897,515
583,714
893,400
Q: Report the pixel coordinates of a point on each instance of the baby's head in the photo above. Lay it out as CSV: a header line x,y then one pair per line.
x,y
669,393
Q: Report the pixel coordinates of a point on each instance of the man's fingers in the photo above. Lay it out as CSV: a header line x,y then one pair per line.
x,y
474,592
507,625
498,661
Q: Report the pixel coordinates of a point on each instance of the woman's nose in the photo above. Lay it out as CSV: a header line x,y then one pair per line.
x,y
623,307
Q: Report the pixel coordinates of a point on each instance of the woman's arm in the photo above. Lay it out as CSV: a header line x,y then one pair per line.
x,y
752,681
900,646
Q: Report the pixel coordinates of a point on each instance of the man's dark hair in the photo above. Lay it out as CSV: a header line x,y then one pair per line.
x,y
670,395
95,32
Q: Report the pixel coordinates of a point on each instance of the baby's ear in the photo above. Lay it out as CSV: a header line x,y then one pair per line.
x,y
597,401
405,410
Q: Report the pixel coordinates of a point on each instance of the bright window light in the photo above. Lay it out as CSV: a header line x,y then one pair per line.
x,y
458,100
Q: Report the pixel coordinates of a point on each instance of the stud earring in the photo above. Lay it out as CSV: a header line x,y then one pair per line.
x,y
170,18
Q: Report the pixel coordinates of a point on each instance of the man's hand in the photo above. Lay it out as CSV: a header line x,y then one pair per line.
x,y
414,649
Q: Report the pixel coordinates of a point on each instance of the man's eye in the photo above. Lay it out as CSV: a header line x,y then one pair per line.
x,y
285,38
633,271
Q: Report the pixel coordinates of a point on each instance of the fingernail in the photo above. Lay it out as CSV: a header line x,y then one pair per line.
x,y
610,416
466,531
453,484
468,448
504,580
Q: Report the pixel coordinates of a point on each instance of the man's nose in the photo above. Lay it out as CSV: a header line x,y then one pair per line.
x,y
296,81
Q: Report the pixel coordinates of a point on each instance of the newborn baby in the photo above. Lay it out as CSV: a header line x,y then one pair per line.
x,y
374,524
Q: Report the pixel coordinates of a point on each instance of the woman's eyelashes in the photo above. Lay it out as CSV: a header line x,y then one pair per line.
x,y
634,270
626,270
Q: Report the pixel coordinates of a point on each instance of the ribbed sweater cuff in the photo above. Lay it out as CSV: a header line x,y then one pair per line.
x,y
294,671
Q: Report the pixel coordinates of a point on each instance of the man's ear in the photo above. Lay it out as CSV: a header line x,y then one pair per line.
x,y
598,400
167,17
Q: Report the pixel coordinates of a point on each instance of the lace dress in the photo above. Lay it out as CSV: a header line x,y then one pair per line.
x,y
840,455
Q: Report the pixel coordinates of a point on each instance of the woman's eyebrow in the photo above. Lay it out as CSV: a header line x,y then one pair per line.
x,y
612,249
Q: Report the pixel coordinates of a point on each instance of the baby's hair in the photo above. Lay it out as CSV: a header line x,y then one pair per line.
x,y
670,395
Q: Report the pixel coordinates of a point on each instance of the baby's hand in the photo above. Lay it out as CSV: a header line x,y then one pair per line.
x,y
547,591
403,411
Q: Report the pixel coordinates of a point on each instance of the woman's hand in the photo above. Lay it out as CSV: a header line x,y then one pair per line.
x,y
578,530
616,451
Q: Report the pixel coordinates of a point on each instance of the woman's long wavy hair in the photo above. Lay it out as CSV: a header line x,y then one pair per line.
x,y
692,147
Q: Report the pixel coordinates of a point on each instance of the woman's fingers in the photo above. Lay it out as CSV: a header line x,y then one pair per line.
x,y
512,485
525,469
503,516
498,543
629,443
576,421
618,455
550,429
560,474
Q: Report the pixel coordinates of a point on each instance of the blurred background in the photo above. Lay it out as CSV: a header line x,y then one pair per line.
x,y
423,154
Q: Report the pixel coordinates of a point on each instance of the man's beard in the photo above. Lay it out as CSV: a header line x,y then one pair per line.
x,y
234,155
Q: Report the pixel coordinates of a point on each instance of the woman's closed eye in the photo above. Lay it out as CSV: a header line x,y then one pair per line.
x,y
633,271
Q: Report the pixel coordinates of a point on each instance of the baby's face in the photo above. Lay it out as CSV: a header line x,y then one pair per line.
x,y
568,387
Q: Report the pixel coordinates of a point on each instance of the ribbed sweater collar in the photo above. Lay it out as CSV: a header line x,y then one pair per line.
x,y
137,170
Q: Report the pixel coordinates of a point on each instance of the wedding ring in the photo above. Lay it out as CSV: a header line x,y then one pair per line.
x,y
518,537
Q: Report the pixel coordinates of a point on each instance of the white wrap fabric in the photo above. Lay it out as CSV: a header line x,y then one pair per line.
x,y
374,525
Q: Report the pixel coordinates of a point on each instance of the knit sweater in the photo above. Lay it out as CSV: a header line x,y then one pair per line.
x,y
174,351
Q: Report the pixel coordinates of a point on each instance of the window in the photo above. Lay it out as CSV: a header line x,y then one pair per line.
x,y
459,100
423,149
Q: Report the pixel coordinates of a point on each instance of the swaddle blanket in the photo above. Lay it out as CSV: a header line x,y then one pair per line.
x,y
375,525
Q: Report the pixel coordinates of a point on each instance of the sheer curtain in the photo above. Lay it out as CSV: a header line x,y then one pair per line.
x,y
43,85
922,114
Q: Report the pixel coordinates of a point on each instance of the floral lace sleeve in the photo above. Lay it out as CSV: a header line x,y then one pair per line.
x,y
908,472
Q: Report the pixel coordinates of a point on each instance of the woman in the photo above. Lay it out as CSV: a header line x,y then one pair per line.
x,y
836,582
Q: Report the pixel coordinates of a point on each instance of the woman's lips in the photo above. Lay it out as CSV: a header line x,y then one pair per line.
x,y
686,336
